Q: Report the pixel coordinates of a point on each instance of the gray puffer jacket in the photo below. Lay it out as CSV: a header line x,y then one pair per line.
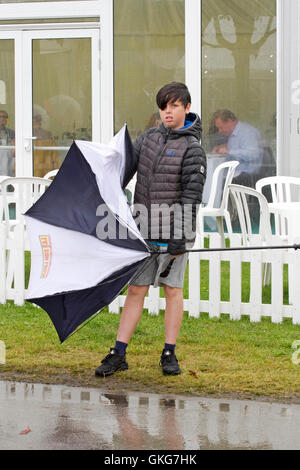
x,y
171,171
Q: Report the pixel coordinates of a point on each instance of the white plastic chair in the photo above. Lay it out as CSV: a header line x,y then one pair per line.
x,y
51,174
17,194
240,195
282,189
220,212
2,178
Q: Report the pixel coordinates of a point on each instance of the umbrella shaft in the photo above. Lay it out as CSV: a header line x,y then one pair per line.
x,y
239,248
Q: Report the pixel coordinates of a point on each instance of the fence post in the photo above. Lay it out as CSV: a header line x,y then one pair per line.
x,y
194,281
114,306
255,286
214,278
235,278
19,264
153,300
294,276
277,286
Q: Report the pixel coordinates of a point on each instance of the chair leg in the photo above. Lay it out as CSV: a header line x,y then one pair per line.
x,y
201,225
267,273
228,222
221,231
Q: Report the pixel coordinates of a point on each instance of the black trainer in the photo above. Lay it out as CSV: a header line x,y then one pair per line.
x,y
113,362
169,363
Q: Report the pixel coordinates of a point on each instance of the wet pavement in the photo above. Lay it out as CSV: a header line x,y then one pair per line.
x,y
37,416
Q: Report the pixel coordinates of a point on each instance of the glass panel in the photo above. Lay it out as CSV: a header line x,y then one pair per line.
x,y
7,108
149,51
62,99
239,75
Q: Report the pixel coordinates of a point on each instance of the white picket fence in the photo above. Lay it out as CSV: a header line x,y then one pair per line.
x,y
12,281
234,307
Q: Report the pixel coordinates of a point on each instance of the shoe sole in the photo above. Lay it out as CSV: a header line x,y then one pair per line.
x,y
172,373
107,374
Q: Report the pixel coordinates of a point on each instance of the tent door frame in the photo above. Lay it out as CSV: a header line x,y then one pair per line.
x,y
24,150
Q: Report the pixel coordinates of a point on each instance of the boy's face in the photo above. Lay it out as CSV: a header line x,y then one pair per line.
x,y
174,114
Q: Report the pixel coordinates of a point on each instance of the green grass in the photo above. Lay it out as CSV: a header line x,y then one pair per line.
x,y
217,356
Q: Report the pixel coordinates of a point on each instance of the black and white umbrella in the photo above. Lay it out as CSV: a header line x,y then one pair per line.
x,y
74,272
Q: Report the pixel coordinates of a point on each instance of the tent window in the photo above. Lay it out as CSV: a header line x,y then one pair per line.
x,y
239,71
149,51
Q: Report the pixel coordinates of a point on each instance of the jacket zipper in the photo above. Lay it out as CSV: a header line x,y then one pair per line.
x,y
166,137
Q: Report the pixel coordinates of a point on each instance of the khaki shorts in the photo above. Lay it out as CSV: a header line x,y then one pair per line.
x,y
161,269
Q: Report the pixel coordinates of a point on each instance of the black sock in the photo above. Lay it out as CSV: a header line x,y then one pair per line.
x,y
121,347
170,347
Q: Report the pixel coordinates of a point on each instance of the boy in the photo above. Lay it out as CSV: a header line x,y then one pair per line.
x,y
171,170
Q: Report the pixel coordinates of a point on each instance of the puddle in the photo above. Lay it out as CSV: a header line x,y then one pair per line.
x,y
61,417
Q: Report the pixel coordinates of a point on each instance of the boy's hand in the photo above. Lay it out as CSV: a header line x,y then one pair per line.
x,y
176,248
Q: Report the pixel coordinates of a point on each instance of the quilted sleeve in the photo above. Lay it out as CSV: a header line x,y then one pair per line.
x,y
192,181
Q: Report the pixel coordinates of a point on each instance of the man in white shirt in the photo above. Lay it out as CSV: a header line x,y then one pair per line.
x,y
244,144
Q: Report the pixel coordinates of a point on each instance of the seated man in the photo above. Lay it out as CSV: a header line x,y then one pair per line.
x,y
214,138
244,144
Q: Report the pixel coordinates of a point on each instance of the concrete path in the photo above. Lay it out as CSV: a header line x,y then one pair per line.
x,y
36,416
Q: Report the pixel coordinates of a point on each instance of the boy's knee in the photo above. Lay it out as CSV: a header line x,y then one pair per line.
x,y
172,292
138,290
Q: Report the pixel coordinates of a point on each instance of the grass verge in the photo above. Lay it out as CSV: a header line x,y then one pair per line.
x,y
217,356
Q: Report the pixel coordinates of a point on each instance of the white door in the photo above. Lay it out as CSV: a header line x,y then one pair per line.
x,y
8,61
52,96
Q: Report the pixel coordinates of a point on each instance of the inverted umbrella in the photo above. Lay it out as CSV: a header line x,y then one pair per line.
x,y
74,273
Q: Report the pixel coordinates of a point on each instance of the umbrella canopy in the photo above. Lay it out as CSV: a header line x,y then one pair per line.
x,y
75,272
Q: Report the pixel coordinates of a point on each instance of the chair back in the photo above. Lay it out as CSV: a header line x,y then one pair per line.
x,y
19,194
51,174
240,196
219,180
2,177
280,189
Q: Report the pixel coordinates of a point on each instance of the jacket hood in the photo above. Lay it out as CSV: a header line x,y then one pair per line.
x,y
192,127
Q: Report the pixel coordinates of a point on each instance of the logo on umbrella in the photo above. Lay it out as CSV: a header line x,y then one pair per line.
x,y
47,254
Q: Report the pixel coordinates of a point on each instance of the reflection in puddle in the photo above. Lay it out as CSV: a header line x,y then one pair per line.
x,y
62,417
224,407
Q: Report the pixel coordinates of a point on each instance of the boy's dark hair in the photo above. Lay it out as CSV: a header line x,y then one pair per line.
x,y
172,92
